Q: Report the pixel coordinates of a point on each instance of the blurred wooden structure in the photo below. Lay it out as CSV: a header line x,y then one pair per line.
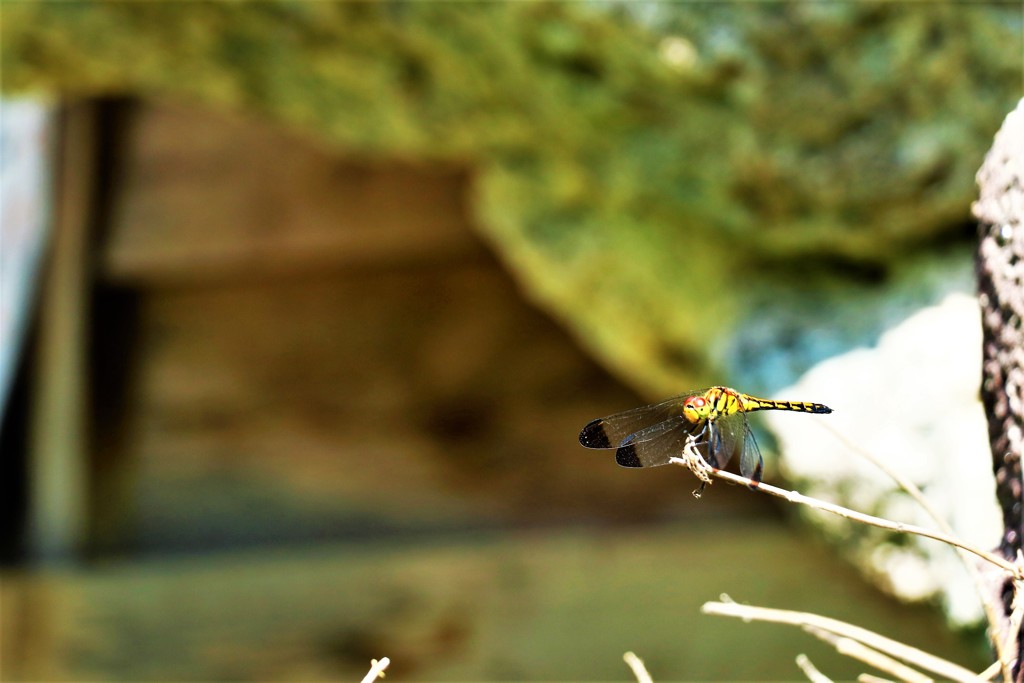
x,y
323,348
310,359
286,345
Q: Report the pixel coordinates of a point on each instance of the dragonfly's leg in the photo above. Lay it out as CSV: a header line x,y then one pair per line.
x,y
697,464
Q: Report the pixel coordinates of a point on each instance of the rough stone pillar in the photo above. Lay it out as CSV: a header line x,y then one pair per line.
x,y
1000,270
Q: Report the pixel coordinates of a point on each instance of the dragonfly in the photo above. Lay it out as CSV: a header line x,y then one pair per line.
x,y
716,418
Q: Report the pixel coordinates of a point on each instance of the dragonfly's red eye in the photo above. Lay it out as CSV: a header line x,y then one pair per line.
x,y
697,402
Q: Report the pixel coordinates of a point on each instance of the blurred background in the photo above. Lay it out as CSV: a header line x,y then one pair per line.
x,y
304,305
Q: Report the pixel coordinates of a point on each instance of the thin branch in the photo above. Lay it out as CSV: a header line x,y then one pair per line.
x,y
1017,612
811,671
637,665
991,615
860,651
904,483
870,678
920,658
691,462
376,670
991,672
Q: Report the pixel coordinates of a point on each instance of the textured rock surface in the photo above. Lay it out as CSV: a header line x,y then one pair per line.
x,y
1000,269
643,169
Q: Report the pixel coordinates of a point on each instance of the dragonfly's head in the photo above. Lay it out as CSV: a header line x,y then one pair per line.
x,y
696,408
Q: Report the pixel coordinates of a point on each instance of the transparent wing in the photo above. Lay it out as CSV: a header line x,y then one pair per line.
x,y
725,437
729,435
654,446
612,431
751,462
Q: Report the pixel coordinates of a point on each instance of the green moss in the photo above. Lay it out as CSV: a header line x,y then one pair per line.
x,y
630,187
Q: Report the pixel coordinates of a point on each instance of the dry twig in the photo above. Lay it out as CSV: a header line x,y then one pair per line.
x,y
857,650
811,671
637,665
868,678
692,460
919,658
376,671
1014,570
1002,649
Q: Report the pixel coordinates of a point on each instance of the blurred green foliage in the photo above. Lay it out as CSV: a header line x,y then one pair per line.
x,y
641,167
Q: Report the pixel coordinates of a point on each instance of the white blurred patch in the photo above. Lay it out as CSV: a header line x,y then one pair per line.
x,y
913,401
26,132
678,53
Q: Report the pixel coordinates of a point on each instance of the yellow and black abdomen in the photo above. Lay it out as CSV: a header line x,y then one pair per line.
x,y
751,403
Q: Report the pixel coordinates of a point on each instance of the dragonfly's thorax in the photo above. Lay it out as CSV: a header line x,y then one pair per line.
x,y
714,403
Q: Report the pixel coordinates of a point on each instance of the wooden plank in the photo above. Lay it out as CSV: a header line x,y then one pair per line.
x,y
343,406
57,517
335,402
217,197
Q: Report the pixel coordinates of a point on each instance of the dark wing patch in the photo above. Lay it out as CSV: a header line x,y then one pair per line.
x,y
594,435
626,456
655,445
612,431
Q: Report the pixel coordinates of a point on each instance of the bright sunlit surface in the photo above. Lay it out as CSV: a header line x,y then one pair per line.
x,y
913,402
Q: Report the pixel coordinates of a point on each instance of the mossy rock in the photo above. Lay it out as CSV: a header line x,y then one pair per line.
x,y
643,169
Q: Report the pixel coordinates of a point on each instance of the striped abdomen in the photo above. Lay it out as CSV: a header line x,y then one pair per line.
x,y
751,403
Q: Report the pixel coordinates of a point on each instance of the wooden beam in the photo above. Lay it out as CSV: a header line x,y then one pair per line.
x,y
57,443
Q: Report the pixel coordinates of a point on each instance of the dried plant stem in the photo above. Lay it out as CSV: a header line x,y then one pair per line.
x,y
860,651
795,497
904,483
1016,615
637,665
376,671
692,460
868,678
990,673
811,671
1002,649
947,670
